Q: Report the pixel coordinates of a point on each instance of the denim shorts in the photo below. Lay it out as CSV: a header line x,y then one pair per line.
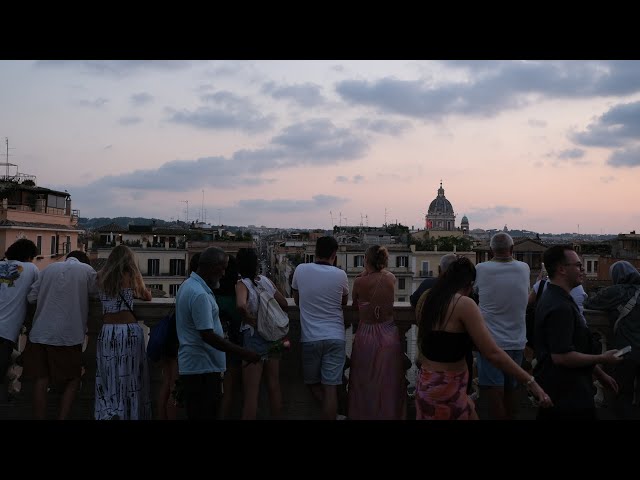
x,y
255,342
490,376
323,361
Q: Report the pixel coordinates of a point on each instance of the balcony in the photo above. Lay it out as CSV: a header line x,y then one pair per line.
x,y
297,401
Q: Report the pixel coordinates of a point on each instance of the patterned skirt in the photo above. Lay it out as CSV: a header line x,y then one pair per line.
x,y
122,374
377,385
442,396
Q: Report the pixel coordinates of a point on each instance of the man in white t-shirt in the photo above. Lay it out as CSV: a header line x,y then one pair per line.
x,y
17,274
320,290
502,285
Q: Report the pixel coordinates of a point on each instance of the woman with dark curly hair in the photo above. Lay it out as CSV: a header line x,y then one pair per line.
x,y
377,386
450,324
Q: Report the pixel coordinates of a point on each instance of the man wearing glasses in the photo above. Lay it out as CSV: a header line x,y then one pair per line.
x,y
567,355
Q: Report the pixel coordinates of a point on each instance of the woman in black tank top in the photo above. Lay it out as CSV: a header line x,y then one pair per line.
x,y
450,324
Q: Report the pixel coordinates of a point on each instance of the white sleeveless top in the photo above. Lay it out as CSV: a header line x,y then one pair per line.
x,y
252,298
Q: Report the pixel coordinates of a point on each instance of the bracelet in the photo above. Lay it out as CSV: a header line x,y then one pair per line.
x,y
531,380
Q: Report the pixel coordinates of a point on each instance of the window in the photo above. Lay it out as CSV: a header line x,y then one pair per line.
x,y
401,299
402,261
401,283
424,271
173,289
67,245
155,286
595,266
176,266
153,267
588,266
53,245
310,258
358,260
39,244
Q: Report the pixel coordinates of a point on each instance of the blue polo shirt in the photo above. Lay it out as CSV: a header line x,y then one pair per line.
x,y
197,310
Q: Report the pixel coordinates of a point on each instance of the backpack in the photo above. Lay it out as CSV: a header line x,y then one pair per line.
x,y
273,322
162,335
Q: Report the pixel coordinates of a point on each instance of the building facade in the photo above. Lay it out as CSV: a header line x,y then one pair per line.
x,y
39,214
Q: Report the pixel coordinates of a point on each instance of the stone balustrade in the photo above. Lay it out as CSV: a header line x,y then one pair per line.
x,y
297,400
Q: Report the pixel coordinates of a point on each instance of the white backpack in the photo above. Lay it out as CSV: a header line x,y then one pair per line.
x,y
273,322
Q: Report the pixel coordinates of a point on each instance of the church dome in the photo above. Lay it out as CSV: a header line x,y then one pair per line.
x,y
440,205
464,219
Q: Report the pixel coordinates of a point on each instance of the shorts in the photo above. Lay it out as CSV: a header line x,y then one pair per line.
x,y
255,342
490,376
323,361
57,363
6,349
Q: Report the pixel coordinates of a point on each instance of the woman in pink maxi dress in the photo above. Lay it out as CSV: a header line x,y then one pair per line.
x,y
377,386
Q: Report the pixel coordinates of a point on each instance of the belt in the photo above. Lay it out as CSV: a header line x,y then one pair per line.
x,y
119,318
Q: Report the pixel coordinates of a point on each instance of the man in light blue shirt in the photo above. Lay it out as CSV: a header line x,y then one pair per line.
x,y
201,355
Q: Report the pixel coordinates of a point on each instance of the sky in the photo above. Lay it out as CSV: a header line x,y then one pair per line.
x,y
548,146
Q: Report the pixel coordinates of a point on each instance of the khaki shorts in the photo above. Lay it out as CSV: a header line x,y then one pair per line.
x,y
57,363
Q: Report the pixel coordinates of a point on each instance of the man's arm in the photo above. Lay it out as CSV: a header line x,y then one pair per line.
x,y
32,296
296,296
219,343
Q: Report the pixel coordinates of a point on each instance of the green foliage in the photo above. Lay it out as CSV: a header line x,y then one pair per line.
x,y
446,244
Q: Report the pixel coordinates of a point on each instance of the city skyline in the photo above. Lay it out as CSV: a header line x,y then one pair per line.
x,y
548,146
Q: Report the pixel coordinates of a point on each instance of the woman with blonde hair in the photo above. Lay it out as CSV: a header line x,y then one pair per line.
x,y
377,387
122,372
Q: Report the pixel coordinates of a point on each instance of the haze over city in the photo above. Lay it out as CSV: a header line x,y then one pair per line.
x,y
548,146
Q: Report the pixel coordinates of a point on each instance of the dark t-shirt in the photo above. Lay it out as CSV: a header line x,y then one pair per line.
x,y
559,329
426,284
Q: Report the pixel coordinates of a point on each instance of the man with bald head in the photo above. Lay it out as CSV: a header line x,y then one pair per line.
x,y
502,285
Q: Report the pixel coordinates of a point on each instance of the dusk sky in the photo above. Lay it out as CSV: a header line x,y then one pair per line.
x,y
549,146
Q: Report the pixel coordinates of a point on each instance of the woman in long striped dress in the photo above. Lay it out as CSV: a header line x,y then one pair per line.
x,y
122,372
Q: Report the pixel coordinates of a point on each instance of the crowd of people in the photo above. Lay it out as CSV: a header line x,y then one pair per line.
x,y
469,311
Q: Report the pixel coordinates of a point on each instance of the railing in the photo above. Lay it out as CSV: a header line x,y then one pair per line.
x,y
297,400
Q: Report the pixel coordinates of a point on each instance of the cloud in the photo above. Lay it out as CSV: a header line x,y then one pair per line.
x,y
533,122
482,215
316,142
615,128
140,99
305,94
388,127
230,112
619,128
571,154
289,205
627,157
97,103
129,120
354,179
108,147
118,68
488,88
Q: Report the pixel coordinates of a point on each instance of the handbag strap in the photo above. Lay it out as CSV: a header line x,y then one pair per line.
x,y
540,288
624,311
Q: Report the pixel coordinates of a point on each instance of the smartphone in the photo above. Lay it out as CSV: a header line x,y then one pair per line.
x,y
622,351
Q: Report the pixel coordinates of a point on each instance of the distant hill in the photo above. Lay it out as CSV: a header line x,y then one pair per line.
x,y
91,223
